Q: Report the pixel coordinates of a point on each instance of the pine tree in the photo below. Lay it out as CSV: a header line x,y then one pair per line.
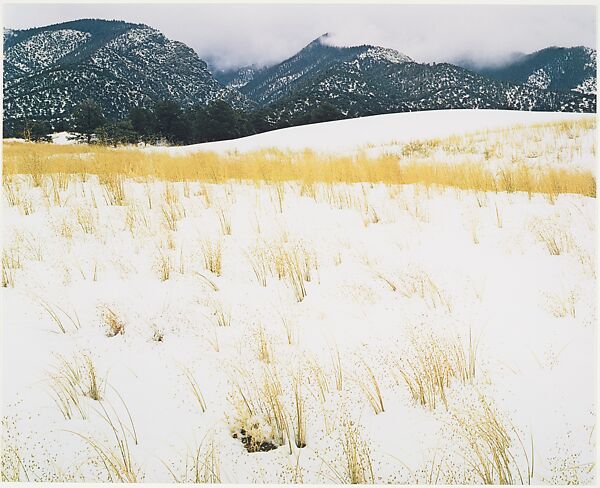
x,y
88,118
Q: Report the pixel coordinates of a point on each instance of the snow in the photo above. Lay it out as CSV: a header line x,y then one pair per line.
x,y
63,138
492,278
348,135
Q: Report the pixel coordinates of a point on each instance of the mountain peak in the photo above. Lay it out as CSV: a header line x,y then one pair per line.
x,y
379,53
320,41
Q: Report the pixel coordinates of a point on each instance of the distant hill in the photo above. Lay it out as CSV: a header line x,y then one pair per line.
x,y
553,68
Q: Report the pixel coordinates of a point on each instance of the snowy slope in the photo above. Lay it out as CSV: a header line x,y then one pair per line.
x,y
347,135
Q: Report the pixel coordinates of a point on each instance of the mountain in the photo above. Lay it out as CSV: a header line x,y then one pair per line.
x,y
271,84
49,70
553,68
370,80
237,78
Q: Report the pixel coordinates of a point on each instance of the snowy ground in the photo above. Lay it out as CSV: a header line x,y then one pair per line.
x,y
393,270
380,130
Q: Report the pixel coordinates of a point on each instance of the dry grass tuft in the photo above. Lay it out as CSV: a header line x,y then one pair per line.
x,y
203,465
116,455
224,221
555,238
195,388
300,417
164,266
221,313
435,361
370,387
264,348
356,466
260,419
212,253
87,220
489,448
11,261
562,304
73,379
418,283
62,319
114,189
114,325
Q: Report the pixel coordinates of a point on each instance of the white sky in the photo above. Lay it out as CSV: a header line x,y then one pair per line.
x,y
233,35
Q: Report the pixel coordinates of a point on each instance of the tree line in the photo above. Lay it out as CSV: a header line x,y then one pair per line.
x,y
167,122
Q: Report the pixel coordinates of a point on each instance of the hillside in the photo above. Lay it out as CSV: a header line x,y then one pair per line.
x,y
48,70
553,68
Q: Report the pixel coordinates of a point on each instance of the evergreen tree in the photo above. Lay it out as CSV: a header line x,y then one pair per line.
x,y
324,112
223,122
40,131
143,122
171,123
117,133
87,118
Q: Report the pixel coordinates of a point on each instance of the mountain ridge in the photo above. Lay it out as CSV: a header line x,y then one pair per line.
x,y
554,68
48,70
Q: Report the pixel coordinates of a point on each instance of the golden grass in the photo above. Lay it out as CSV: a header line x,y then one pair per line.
x,y
116,455
300,417
261,420
163,266
563,304
221,313
418,283
114,189
72,379
114,325
274,166
58,315
356,466
435,362
203,465
370,387
490,453
212,254
195,388
11,261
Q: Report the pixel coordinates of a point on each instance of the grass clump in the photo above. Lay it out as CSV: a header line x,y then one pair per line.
x,y
433,363
113,323
212,253
355,465
489,448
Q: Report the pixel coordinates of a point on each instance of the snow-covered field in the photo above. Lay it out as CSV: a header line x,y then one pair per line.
x,y
246,332
380,130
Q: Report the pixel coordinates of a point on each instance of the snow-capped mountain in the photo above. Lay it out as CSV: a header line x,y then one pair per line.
x,y
48,70
553,68
271,84
369,80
